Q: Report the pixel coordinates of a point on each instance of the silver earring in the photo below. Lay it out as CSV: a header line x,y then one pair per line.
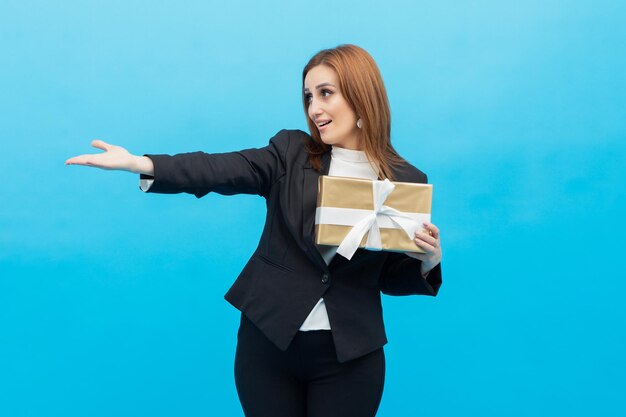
x,y
358,123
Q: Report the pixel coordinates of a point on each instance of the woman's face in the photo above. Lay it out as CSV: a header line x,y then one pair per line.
x,y
329,110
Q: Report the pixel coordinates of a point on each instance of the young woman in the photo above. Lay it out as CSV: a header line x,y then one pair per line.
x,y
311,337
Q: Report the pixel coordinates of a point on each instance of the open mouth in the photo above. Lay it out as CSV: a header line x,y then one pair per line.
x,y
324,123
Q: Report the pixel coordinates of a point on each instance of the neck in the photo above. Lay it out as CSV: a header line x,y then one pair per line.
x,y
353,145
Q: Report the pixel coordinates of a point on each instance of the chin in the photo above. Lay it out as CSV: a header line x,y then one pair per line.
x,y
328,140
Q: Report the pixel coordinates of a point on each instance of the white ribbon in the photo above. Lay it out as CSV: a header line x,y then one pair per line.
x,y
371,220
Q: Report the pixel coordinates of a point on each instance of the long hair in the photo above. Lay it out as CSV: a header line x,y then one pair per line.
x,y
362,85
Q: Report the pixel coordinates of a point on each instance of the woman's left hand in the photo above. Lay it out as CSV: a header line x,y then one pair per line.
x,y
429,241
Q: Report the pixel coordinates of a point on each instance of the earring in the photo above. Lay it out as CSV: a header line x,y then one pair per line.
x,y
358,123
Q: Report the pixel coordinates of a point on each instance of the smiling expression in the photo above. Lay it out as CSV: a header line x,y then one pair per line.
x,y
329,110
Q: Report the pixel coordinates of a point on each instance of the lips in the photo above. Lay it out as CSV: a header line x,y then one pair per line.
x,y
323,123
321,126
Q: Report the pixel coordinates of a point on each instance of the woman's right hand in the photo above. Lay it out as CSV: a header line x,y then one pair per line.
x,y
114,158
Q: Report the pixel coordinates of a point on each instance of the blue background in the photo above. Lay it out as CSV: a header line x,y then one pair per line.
x,y
111,300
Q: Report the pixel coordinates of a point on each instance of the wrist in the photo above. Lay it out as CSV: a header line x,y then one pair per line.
x,y
142,165
426,268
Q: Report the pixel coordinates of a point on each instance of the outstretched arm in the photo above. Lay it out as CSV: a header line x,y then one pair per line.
x,y
249,171
114,158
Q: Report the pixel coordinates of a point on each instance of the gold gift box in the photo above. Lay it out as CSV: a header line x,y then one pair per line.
x,y
355,193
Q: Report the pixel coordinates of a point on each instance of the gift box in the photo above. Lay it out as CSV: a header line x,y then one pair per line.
x,y
376,215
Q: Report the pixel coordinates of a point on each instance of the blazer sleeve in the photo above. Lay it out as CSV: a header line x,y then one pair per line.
x,y
401,275
249,171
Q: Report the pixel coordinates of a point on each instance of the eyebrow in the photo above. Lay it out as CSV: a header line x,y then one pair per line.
x,y
317,87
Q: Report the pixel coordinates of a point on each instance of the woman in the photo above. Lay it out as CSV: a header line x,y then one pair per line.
x,y
311,337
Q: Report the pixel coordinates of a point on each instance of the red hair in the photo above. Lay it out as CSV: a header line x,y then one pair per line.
x,y
362,85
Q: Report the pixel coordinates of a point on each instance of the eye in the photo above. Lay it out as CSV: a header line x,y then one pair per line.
x,y
325,92
308,97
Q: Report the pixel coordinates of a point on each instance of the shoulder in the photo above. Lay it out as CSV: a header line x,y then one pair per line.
x,y
291,137
406,172
291,143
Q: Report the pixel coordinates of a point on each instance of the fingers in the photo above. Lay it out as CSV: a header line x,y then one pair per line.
x,y
97,143
425,246
79,160
87,159
434,230
427,239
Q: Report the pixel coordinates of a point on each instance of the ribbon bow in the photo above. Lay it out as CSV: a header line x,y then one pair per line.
x,y
381,190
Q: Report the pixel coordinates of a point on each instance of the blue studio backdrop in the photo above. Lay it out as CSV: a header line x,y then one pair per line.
x,y
111,300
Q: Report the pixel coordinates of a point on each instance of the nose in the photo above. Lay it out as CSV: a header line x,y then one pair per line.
x,y
314,110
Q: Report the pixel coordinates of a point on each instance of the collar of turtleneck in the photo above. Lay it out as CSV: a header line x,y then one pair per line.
x,y
348,155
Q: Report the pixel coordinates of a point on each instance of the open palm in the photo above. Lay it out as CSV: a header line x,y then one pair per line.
x,y
113,157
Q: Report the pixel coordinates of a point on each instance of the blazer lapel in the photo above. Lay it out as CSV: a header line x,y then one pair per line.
x,y
309,203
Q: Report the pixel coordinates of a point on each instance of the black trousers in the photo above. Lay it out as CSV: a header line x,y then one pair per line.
x,y
306,380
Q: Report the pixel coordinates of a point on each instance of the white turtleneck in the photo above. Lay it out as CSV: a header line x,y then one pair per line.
x,y
343,163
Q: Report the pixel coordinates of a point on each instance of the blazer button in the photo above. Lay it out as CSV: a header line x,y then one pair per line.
x,y
325,279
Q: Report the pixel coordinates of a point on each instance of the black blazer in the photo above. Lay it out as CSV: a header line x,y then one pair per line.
x,y
286,275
